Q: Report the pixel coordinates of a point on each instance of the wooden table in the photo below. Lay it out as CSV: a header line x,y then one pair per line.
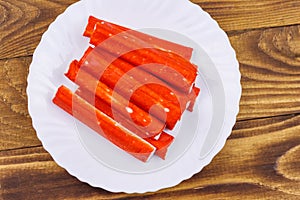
x,y
261,159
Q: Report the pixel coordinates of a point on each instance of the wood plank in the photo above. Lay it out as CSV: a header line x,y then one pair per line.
x,y
222,192
260,160
237,15
23,22
15,123
32,174
269,64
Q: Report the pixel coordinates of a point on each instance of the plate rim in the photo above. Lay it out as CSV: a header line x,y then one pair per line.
x,y
206,161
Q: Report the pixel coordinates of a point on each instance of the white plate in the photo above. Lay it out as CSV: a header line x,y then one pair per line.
x,y
199,136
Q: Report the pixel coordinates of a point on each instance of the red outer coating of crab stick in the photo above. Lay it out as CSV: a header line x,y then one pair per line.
x,y
185,52
116,101
171,68
102,124
161,144
116,73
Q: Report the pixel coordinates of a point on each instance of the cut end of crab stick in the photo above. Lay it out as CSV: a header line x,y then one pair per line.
x,y
162,144
193,96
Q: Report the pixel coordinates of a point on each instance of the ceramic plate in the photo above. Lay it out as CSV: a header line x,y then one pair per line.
x,y
200,135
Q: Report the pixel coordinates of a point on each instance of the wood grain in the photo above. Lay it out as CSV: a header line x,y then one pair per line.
x,y
267,163
282,44
261,159
15,123
237,15
269,62
22,22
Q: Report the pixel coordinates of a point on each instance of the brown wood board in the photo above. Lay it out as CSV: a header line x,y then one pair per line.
x,y
261,157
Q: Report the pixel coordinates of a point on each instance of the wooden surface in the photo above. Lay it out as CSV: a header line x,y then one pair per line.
x,y
261,159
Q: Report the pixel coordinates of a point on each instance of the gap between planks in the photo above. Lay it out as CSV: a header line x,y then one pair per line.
x,y
242,120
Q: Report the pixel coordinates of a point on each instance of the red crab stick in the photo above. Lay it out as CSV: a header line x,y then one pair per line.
x,y
161,144
185,52
103,32
178,72
144,97
103,125
116,101
166,92
194,94
116,69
